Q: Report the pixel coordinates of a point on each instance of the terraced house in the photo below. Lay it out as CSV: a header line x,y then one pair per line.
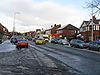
x,y
3,32
86,29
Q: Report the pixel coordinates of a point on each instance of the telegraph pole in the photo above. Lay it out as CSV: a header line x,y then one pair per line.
x,y
92,24
14,24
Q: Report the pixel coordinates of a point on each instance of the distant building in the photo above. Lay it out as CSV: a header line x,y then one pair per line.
x,y
3,32
68,31
30,34
86,29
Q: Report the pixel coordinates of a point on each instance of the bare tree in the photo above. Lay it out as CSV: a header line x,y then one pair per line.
x,y
95,6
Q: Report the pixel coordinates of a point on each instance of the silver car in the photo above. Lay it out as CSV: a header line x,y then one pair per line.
x,y
63,42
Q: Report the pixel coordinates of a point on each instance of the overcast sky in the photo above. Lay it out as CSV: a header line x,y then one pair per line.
x,y
35,14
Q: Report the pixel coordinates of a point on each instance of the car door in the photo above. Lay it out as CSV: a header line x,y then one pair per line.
x,y
93,45
90,45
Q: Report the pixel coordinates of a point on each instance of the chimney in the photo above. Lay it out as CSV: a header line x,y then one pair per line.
x,y
59,25
94,18
51,25
55,25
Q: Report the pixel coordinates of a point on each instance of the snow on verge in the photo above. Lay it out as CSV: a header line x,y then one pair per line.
x,y
6,46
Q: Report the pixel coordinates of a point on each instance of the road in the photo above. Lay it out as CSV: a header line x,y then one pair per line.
x,y
49,59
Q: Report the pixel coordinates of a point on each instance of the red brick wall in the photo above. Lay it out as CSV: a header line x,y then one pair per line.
x,y
53,30
69,33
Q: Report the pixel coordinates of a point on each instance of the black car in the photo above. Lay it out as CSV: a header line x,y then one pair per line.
x,y
54,40
77,43
94,45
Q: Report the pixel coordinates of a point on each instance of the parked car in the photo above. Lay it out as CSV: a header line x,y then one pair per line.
x,y
13,40
54,40
63,42
94,45
87,45
77,43
22,44
40,41
46,39
98,40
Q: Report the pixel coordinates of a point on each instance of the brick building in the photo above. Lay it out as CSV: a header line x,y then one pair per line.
x,y
3,32
86,29
52,31
68,31
30,34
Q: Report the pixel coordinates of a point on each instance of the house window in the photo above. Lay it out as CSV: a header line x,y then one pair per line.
x,y
87,28
94,27
97,27
90,27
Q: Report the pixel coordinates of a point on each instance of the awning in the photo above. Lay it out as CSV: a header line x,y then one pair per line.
x,y
56,34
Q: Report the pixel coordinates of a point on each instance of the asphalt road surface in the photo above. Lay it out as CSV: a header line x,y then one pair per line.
x,y
49,59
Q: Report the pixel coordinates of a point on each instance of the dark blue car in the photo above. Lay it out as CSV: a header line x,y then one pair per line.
x,y
94,45
13,40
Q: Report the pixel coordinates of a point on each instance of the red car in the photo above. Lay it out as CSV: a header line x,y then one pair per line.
x,y
22,44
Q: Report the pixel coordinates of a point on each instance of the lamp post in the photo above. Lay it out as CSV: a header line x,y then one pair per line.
x,y
15,13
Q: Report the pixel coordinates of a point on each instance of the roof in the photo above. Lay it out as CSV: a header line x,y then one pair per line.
x,y
61,27
86,22
53,27
69,26
48,29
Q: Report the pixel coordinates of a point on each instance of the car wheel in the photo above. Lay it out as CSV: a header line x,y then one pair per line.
x,y
99,49
71,45
88,48
27,46
18,48
36,43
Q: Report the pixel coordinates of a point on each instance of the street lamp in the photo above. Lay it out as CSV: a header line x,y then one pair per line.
x,y
15,13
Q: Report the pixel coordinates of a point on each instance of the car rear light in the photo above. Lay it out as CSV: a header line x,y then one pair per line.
x,y
27,43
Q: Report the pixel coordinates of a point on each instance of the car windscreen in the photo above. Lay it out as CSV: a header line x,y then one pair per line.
x,y
22,40
39,39
80,41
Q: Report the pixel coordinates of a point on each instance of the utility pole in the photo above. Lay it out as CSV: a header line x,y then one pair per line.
x,y
92,24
